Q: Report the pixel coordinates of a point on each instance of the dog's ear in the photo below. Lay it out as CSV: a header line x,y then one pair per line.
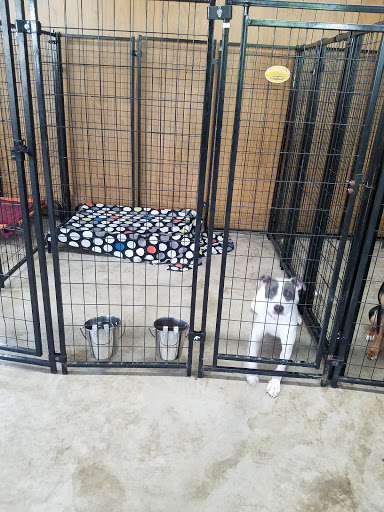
x,y
264,280
298,284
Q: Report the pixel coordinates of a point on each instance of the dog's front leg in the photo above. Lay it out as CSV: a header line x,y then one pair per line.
x,y
287,342
254,345
373,351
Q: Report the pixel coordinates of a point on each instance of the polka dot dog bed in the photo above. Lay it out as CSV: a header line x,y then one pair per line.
x,y
138,234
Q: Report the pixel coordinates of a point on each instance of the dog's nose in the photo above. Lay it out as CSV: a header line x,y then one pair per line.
x,y
279,309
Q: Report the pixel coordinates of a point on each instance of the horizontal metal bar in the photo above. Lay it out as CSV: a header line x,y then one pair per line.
x,y
316,25
173,39
325,42
105,364
273,373
309,5
364,382
24,360
91,36
265,360
20,350
260,45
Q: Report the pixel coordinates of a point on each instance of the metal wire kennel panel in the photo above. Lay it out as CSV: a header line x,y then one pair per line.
x,y
358,356
24,336
136,110
285,154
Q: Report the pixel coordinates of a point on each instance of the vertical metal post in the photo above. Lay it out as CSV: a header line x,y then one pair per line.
x,y
232,169
347,221
213,131
207,105
302,165
220,96
334,152
133,56
19,157
60,125
139,121
53,356
33,169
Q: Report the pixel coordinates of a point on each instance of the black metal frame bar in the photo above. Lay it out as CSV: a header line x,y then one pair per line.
x,y
316,25
232,169
203,159
220,96
19,157
138,138
133,58
32,160
288,4
57,64
59,103
212,131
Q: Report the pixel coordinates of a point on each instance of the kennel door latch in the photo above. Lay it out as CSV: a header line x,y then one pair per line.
x,y
220,12
28,26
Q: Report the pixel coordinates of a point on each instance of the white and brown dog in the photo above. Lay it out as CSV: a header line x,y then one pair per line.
x,y
275,305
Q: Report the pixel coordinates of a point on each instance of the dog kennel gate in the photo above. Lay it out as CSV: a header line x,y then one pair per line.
x,y
329,156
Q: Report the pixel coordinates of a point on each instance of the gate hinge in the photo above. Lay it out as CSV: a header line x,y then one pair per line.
x,y
28,27
334,361
58,358
220,12
215,62
18,148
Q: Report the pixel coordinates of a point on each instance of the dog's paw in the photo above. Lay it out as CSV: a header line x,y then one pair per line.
x,y
372,353
299,320
369,338
273,388
252,379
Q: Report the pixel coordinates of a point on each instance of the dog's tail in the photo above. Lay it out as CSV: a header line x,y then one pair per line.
x,y
380,308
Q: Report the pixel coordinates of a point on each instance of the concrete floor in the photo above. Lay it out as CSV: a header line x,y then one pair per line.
x,y
156,443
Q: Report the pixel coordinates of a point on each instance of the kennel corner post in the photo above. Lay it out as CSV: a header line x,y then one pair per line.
x,y
53,355
18,152
353,255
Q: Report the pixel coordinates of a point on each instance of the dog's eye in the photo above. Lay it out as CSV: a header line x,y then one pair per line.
x,y
272,293
289,295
